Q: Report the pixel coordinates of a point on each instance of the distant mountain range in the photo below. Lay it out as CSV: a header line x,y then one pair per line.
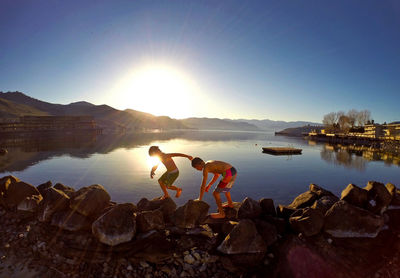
x,y
16,104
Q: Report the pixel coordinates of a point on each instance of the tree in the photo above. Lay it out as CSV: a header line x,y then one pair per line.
x,y
352,115
364,117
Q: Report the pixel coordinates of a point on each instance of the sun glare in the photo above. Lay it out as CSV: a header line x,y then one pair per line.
x,y
159,90
153,161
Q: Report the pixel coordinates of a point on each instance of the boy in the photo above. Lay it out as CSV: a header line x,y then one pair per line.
x,y
217,168
172,173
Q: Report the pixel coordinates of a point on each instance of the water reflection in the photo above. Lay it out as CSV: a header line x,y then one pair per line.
x,y
356,157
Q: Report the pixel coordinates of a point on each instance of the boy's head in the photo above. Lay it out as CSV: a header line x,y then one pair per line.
x,y
198,163
154,150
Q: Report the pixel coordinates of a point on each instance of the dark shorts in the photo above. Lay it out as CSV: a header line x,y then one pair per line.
x,y
168,178
227,181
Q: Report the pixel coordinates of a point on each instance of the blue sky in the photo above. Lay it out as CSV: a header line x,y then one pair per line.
x,y
281,60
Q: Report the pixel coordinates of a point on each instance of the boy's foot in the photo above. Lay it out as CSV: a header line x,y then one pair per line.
x,y
207,188
226,205
217,215
163,197
178,192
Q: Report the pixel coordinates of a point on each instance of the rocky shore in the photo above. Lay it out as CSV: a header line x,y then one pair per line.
x,y
55,231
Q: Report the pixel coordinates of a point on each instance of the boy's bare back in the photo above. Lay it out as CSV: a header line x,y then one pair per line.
x,y
216,167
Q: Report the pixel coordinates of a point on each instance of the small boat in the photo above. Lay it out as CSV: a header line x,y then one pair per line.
x,y
281,151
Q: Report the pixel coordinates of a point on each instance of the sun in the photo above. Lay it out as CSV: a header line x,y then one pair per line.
x,y
161,90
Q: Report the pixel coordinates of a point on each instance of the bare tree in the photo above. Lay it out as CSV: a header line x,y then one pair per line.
x,y
330,121
364,117
352,116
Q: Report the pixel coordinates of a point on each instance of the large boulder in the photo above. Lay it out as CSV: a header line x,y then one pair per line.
x,y
30,204
116,226
345,220
66,189
267,206
378,196
320,191
249,209
307,221
6,181
243,238
305,199
90,200
391,188
167,206
267,231
283,211
150,220
18,192
71,220
191,214
325,203
355,195
43,187
54,200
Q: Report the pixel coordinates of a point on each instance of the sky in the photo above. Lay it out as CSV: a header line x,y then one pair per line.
x,y
278,60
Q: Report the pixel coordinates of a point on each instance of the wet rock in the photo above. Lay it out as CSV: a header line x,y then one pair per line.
x,y
55,200
90,200
116,226
307,221
395,194
249,209
325,203
320,191
149,220
66,189
345,220
70,220
43,187
267,206
305,199
379,195
19,191
267,231
167,206
355,196
243,238
192,214
30,204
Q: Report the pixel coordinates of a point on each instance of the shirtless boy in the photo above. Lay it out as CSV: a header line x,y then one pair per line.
x,y
217,168
172,173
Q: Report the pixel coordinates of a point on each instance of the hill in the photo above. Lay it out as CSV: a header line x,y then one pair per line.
x,y
299,131
10,109
270,125
218,124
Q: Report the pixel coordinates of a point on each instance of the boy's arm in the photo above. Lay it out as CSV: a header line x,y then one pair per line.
x,y
203,184
153,169
213,180
181,155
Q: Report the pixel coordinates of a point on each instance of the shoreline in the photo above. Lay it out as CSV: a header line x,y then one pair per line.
x,y
59,232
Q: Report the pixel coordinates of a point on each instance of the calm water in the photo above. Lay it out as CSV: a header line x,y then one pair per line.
x,y
121,164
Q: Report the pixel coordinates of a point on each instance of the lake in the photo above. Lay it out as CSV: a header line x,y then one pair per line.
x,y
121,164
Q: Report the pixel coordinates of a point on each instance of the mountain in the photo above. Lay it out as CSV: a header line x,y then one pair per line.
x,y
10,109
270,125
218,124
299,131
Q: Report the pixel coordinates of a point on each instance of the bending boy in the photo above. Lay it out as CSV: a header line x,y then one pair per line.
x,y
217,168
172,173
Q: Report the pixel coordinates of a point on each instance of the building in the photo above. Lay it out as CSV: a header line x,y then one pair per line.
x,y
392,131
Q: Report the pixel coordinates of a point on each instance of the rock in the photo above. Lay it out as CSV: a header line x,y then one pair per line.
x,y
167,206
249,209
189,259
192,214
325,203
345,220
3,152
55,200
202,230
305,199
395,194
320,191
267,206
267,231
90,200
380,196
30,204
284,211
5,182
116,225
19,191
243,238
42,187
70,220
355,196
149,220
307,221
228,226
279,223
66,189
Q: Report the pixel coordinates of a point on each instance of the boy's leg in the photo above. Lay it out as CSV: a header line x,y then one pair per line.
x,y
177,189
164,189
221,213
229,199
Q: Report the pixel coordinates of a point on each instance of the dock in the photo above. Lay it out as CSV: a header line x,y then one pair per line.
x,y
282,151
